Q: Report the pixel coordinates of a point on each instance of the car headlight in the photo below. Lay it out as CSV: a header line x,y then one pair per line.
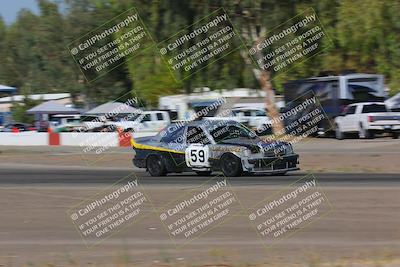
x,y
247,152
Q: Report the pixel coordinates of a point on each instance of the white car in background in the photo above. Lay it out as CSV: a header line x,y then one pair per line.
x,y
91,122
367,119
254,118
146,121
65,123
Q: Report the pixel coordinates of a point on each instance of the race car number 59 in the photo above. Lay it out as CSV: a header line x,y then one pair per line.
x,y
196,155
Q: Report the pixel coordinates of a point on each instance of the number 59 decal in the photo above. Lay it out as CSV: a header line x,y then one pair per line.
x,y
197,155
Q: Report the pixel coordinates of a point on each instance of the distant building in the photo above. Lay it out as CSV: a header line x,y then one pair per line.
x,y
6,103
4,91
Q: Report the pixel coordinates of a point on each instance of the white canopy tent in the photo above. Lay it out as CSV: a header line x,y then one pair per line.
x,y
112,108
52,108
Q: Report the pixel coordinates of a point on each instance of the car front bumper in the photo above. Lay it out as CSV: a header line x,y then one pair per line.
x,y
271,164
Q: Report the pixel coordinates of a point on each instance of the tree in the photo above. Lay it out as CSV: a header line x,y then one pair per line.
x,y
19,110
254,30
34,54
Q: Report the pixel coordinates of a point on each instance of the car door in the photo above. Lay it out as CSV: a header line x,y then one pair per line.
x,y
145,122
245,117
173,139
197,152
160,121
348,124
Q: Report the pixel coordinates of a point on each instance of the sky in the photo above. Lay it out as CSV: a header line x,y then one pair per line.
x,y
9,8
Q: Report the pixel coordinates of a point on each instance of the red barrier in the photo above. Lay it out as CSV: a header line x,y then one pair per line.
x,y
124,138
54,139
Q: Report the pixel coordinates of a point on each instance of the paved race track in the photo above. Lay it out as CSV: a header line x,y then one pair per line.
x,y
67,176
35,227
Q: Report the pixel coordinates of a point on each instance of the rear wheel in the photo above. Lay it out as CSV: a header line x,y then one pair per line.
x,y
204,173
231,165
363,133
155,166
395,135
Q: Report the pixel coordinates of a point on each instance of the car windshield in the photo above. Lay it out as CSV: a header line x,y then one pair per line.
x,y
260,113
235,112
226,132
89,119
173,133
128,117
73,120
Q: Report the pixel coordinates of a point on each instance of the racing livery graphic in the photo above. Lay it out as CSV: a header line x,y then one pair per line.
x,y
212,145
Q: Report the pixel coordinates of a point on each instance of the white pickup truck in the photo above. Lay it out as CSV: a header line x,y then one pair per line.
x,y
146,121
367,119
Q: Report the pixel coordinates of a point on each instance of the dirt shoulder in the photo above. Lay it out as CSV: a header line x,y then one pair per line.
x,y
316,155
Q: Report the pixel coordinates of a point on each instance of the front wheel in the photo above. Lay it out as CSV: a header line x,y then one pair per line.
x,y
395,135
156,166
231,165
338,133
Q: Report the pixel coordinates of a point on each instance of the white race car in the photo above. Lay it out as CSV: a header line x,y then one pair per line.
x,y
212,145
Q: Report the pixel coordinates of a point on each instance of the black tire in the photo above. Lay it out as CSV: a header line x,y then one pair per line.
x,y
155,166
371,135
363,133
203,173
280,173
231,166
338,134
395,135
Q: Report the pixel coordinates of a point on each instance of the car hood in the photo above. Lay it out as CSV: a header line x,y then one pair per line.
x,y
255,143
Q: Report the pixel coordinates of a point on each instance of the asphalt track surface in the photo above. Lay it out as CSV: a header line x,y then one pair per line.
x,y
39,185
35,227
71,177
